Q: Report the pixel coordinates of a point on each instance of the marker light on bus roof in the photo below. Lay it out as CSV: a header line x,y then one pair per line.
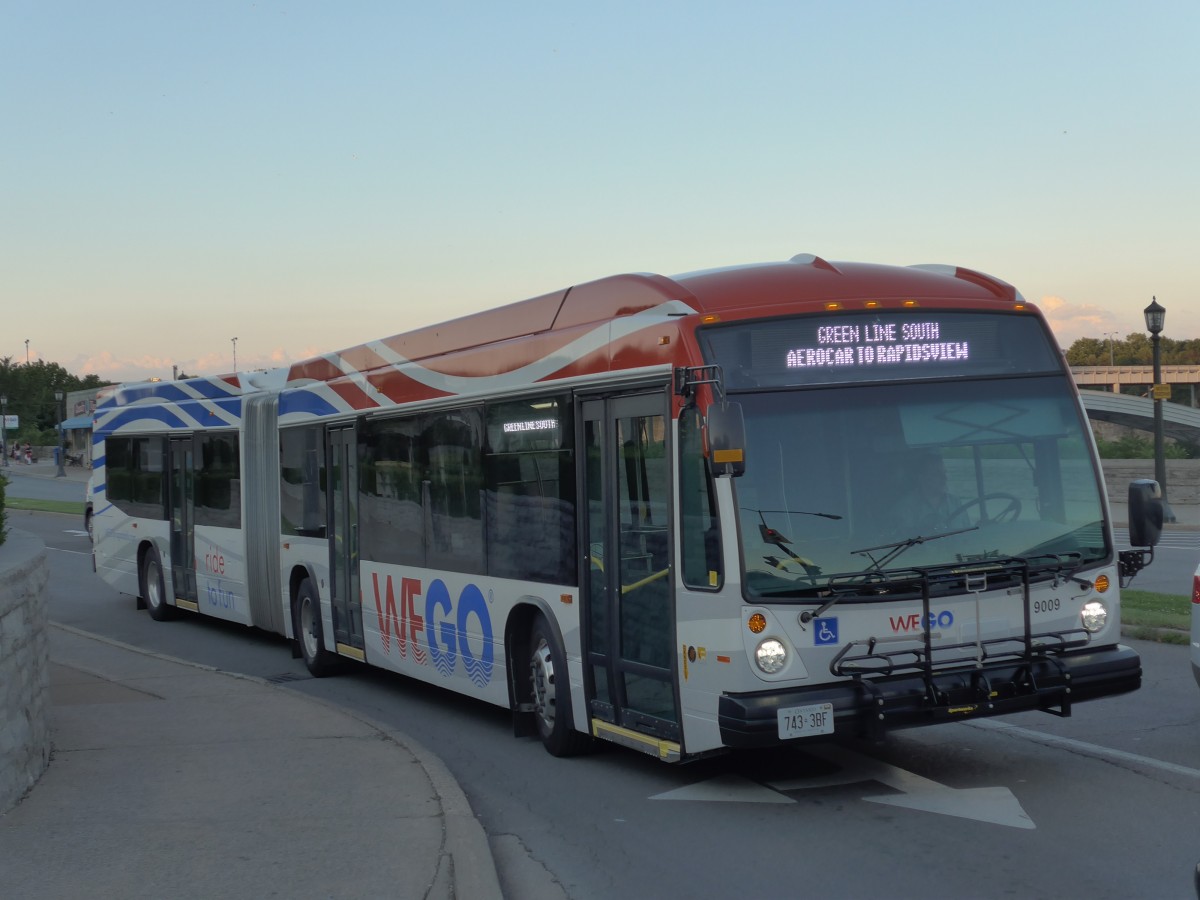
x,y
1094,615
771,656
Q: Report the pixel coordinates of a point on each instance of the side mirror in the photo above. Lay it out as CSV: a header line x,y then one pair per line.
x,y
1145,512
726,439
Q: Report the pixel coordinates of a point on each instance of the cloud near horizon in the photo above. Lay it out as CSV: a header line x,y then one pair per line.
x,y
1072,321
109,368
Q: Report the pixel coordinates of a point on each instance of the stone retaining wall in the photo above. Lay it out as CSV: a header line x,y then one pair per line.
x,y
24,666
1183,486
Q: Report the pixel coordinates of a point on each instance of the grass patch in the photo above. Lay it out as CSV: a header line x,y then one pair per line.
x,y
1146,609
71,507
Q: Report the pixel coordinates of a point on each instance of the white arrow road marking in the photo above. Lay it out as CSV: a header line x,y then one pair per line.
x,y
996,805
724,789
75,532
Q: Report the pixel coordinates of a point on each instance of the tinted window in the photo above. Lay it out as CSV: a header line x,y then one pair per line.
x,y
302,481
530,469
454,445
218,482
135,477
701,562
392,486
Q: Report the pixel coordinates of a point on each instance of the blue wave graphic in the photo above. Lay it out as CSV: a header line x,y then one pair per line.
x,y
479,670
141,413
301,401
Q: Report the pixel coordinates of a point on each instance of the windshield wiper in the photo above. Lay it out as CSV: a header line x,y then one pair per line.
x,y
1062,565
898,547
774,538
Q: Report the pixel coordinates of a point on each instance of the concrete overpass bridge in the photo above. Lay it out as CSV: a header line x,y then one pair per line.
x,y
1101,388
1179,422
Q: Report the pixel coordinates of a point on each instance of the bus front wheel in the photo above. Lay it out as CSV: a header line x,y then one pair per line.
x,y
551,692
306,625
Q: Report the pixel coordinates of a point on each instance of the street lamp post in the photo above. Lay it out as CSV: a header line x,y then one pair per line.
x,y
1156,316
61,409
4,427
234,354
1112,360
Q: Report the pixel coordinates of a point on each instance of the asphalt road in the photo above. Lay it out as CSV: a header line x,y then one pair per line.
x,y
39,487
1105,804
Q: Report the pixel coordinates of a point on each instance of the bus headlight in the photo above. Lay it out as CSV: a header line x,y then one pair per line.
x,y
1094,616
770,656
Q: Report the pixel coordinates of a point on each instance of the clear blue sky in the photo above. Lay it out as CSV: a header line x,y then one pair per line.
x,y
307,176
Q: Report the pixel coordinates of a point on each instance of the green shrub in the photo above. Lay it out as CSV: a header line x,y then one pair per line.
x,y
1135,446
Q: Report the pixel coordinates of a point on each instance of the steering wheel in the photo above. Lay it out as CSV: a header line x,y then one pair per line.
x,y
1011,510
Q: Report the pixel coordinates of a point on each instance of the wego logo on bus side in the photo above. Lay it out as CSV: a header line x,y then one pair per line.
x,y
446,630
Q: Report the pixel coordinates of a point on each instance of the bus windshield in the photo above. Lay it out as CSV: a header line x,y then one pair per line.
x,y
874,478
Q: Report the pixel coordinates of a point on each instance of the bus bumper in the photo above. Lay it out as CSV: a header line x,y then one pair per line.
x,y
866,707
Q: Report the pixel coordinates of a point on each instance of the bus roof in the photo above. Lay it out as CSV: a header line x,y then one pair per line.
x,y
803,283
802,279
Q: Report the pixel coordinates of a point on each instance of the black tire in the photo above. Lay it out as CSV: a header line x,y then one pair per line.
x,y
550,691
306,625
153,586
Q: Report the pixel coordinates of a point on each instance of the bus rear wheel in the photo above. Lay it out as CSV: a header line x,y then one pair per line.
x,y
154,591
551,692
306,625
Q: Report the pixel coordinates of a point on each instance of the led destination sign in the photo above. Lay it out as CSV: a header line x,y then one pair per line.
x,y
878,347
878,342
530,425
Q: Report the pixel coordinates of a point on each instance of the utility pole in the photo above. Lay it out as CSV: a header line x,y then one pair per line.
x,y
1111,358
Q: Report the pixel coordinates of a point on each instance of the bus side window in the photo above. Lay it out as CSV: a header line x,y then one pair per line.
x,y
698,533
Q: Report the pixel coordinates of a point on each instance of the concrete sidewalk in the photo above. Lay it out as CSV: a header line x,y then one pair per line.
x,y
169,779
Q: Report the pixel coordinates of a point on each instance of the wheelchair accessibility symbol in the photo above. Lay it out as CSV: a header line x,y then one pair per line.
x,y
827,631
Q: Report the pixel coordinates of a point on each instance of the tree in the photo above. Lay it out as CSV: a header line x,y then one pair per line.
x,y
1135,350
30,389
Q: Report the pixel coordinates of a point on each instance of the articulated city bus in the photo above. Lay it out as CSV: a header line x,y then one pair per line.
x,y
735,508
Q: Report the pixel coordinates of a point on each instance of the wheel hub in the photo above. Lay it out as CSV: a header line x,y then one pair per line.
x,y
541,665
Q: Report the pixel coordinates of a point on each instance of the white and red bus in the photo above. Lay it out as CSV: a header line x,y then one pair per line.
x,y
729,509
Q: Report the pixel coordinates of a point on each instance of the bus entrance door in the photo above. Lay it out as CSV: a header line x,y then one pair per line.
x,y
182,491
343,542
628,620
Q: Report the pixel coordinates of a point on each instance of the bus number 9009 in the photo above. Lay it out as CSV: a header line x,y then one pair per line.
x,y
1049,605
